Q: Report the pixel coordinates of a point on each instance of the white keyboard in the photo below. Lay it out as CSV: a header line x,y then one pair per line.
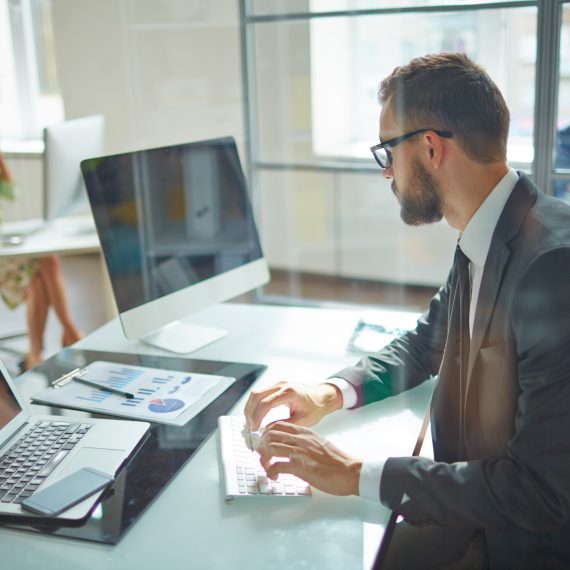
x,y
242,472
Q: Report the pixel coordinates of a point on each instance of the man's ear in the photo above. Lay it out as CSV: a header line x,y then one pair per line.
x,y
434,148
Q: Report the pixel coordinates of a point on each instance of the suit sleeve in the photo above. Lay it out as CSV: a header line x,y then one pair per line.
x,y
405,362
528,487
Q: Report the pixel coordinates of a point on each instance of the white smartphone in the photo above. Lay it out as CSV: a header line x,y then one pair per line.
x,y
67,492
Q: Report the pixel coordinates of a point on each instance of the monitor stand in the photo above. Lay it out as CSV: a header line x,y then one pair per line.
x,y
182,337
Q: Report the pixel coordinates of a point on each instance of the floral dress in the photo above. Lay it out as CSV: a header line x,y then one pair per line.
x,y
16,273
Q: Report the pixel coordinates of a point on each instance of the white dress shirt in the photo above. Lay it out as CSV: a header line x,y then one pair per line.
x,y
474,242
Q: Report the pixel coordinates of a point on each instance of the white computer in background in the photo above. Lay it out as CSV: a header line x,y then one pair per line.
x,y
65,146
178,235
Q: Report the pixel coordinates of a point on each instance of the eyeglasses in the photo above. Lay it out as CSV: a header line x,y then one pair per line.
x,y
382,153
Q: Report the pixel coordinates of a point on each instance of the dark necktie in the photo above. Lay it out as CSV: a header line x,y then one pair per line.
x,y
448,404
464,292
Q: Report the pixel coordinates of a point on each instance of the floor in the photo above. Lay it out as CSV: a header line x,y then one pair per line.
x,y
82,275
289,287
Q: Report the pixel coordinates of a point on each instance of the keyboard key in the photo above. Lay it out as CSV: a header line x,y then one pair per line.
x,y
53,463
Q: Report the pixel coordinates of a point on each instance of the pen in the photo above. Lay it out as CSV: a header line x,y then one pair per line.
x,y
101,387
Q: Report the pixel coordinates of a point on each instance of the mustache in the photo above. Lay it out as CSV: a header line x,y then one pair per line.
x,y
394,187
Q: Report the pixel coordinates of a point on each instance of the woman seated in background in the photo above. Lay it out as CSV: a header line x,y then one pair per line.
x,y
39,282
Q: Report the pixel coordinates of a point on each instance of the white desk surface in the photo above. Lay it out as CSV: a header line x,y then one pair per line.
x,y
63,236
190,525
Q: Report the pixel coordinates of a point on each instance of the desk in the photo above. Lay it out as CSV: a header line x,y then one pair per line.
x,y
73,235
189,525
63,236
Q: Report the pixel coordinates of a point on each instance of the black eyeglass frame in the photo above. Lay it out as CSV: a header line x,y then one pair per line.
x,y
397,140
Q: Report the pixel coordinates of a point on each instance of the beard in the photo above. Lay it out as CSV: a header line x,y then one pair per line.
x,y
422,203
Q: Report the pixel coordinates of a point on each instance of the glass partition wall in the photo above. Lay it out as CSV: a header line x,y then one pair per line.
x,y
329,222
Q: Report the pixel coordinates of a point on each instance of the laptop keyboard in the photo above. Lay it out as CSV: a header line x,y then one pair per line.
x,y
28,463
243,474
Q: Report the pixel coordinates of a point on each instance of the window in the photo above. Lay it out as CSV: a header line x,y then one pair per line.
x,y
29,93
316,78
312,73
367,48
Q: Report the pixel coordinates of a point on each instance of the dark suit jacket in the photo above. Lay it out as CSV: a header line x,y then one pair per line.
x,y
506,469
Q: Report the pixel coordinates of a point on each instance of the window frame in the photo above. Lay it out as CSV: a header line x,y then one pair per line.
x,y
548,29
546,82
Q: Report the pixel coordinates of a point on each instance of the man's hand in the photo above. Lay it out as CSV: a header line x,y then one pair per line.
x,y
307,404
310,457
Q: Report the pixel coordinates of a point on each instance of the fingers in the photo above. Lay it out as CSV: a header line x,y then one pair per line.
x,y
262,401
286,448
282,458
253,411
283,467
275,453
282,440
285,427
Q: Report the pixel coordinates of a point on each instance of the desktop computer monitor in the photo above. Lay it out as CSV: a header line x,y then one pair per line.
x,y
65,146
178,235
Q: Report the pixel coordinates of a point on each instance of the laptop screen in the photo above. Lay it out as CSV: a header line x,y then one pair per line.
x,y
9,407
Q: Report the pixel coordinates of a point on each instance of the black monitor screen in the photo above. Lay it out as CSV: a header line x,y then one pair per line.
x,y
170,217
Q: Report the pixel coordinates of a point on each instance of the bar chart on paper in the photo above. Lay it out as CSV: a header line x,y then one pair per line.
x,y
162,396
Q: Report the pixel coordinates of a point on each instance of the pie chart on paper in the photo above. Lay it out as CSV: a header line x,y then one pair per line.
x,y
165,405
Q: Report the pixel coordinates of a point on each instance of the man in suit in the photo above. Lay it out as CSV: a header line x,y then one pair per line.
x,y
497,334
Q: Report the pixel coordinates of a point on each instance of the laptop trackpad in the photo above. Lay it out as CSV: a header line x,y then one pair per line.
x,y
106,460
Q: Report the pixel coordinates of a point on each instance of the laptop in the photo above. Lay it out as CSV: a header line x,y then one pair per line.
x,y
38,450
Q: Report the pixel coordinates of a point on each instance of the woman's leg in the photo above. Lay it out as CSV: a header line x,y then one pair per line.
x,y
36,316
49,271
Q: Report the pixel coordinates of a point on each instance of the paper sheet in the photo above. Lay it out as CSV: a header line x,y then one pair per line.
x,y
162,396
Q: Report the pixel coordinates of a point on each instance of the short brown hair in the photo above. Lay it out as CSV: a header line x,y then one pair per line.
x,y
449,91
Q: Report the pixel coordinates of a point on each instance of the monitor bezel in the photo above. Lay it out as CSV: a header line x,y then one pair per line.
x,y
152,316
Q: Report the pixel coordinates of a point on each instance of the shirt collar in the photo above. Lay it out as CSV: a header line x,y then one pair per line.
x,y
476,237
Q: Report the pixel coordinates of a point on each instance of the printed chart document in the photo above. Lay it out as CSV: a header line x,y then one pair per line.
x,y
162,396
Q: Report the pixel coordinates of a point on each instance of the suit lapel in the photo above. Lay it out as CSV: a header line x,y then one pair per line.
x,y
522,198
490,284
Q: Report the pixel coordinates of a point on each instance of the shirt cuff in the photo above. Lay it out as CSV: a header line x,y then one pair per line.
x,y
349,396
370,478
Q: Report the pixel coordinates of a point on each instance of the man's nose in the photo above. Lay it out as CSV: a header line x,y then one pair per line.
x,y
387,173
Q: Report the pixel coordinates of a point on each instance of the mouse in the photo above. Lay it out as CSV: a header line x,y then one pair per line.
x,y
13,239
